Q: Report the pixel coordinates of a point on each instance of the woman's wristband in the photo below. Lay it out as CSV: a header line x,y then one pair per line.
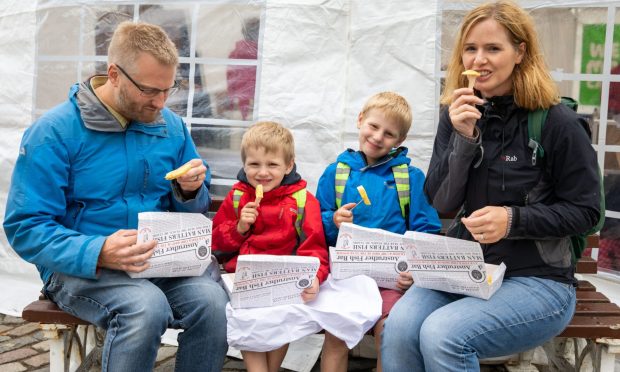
x,y
473,138
508,221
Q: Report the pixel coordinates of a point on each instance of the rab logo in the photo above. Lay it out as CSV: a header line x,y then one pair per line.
x,y
509,158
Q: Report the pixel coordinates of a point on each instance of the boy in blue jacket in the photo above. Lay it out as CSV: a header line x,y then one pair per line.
x,y
394,188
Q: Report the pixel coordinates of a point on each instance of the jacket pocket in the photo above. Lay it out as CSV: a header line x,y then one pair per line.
x,y
146,175
555,252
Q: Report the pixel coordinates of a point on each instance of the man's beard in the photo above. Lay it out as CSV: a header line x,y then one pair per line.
x,y
132,110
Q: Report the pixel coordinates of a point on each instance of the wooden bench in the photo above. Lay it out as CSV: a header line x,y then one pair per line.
x,y
596,320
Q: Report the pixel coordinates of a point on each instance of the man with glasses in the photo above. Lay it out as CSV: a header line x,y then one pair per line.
x,y
84,172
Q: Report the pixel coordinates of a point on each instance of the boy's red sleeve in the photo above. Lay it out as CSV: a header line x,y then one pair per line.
x,y
314,243
225,237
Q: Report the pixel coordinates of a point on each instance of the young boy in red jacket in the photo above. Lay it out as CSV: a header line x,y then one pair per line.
x,y
245,224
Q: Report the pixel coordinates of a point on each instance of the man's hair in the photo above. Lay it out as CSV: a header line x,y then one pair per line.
x,y
271,136
533,86
394,107
130,39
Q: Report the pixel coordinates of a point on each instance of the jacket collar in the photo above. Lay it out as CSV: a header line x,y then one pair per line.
x,y
500,107
357,160
94,113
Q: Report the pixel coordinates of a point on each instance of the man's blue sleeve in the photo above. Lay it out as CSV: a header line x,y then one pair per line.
x,y
200,203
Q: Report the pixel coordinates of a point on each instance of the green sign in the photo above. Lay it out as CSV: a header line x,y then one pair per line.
x,y
592,54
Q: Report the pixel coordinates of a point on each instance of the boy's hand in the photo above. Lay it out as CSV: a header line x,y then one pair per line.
x,y
405,281
311,292
247,217
343,214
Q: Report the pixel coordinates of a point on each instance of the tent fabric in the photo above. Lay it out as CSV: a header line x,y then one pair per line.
x,y
320,61
19,281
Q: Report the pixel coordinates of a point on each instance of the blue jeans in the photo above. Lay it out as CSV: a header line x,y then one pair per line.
x,y
136,312
430,330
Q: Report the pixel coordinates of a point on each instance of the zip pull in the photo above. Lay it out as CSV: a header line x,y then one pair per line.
x,y
534,146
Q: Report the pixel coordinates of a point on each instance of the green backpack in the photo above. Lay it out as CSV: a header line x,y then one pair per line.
x,y
401,180
300,199
535,122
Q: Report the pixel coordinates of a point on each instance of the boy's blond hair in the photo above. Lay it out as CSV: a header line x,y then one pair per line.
x,y
271,136
130,39
394,107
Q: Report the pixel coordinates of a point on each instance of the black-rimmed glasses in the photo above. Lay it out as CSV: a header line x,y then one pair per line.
x,y
151,92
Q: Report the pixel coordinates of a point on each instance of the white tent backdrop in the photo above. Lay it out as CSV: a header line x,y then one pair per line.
x,y
319,61
19,281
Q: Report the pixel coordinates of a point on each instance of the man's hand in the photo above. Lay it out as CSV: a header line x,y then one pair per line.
x,y
121,252
193,179
311,292
405,281
344,214
247,217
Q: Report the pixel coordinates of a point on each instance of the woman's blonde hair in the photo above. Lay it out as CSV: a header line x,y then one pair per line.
x,y
533,86
393,106
271,136
130,39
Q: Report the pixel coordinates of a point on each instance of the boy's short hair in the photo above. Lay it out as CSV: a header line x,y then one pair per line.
x,y
394,106
132,38
272,137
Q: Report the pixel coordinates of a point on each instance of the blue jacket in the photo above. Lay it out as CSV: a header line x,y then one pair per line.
x,y
80,177
378,180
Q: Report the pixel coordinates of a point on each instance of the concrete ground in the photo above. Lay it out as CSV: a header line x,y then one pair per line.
x,y
23,348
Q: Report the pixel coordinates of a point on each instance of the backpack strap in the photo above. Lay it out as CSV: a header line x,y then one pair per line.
x,y
342,175
535,121
237,194
401,178
300,199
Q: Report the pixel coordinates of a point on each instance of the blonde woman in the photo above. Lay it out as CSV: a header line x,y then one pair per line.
x,y
521,211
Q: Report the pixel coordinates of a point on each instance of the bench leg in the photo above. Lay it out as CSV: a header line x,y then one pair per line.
x,y
524,363
588,355
53,333
72,348
565,354
606,351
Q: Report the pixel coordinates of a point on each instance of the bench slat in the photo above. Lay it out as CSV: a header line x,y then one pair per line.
x,y
597,309
586,265
592,327
589,296
584,285
46,312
